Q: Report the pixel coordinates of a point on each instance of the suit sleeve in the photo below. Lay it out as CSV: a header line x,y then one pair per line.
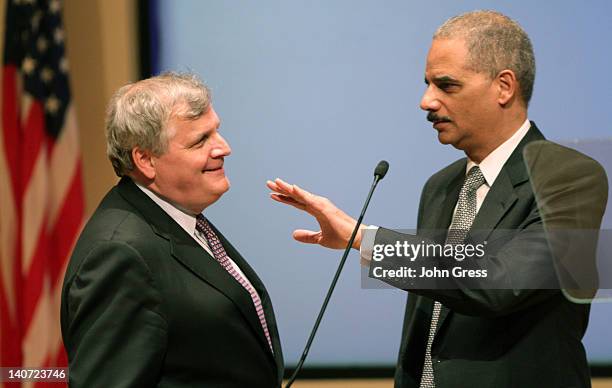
x,y
519,275
116,332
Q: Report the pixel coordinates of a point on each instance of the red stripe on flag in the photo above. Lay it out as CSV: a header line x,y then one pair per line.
x,y
34,136
33,281
68,225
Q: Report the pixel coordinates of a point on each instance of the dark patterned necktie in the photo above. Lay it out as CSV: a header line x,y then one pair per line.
x,y
461,224
221,256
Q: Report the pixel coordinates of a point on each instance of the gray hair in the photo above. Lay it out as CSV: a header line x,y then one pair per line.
x,y
138,115
495,43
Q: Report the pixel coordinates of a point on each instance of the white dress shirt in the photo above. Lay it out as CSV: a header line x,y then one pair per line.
x,y
490,166
187,221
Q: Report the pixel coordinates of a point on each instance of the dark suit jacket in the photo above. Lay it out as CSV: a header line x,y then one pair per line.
x,y
494,338
143,305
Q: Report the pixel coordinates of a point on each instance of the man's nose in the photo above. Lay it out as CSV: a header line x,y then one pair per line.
x,y
221,147
429,101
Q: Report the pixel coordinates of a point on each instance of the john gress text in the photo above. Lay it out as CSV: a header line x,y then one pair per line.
x,y
429,273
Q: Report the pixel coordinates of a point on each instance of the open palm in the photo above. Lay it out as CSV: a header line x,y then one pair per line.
x,y
336,226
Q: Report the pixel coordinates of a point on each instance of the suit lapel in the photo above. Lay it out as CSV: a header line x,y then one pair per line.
x,y
209,270
450,199
446,215
440,205
190,254
497,203
265,302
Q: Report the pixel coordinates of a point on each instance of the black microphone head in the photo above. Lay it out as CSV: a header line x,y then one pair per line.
x,y
381,169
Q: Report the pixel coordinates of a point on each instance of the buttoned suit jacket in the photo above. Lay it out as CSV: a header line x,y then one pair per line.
x,y
498,338
144,305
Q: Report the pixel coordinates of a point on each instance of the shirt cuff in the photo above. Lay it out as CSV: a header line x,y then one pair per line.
x,y
367,244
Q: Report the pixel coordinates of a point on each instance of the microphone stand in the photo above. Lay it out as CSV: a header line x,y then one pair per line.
x,y
377,177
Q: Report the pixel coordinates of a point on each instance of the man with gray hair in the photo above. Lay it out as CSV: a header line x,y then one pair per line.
x,y
479,74
154,295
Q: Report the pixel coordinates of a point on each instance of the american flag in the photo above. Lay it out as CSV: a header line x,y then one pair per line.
x,y
41,189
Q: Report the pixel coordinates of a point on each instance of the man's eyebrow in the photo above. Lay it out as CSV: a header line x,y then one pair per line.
x,y
445,79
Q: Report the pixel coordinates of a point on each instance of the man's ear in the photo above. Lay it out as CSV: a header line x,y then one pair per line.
x,y
144,162
507,86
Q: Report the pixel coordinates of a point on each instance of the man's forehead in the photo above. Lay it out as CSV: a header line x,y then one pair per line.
x,y
446,59
186,126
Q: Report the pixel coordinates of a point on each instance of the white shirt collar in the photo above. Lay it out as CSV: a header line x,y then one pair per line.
x,y
185,220
494,162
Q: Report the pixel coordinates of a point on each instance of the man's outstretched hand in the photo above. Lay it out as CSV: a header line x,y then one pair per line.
x,y
336,226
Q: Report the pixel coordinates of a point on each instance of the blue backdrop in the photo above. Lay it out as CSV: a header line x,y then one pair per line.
x,y
317,92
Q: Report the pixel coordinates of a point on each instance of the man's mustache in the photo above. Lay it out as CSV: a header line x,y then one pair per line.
x,y
434,118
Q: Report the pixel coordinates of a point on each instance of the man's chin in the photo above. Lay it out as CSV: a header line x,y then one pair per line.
x,y
222,187
217,184
227,185
445,137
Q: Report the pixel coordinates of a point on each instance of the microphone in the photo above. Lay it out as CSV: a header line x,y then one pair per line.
x,y
381,169
379,173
